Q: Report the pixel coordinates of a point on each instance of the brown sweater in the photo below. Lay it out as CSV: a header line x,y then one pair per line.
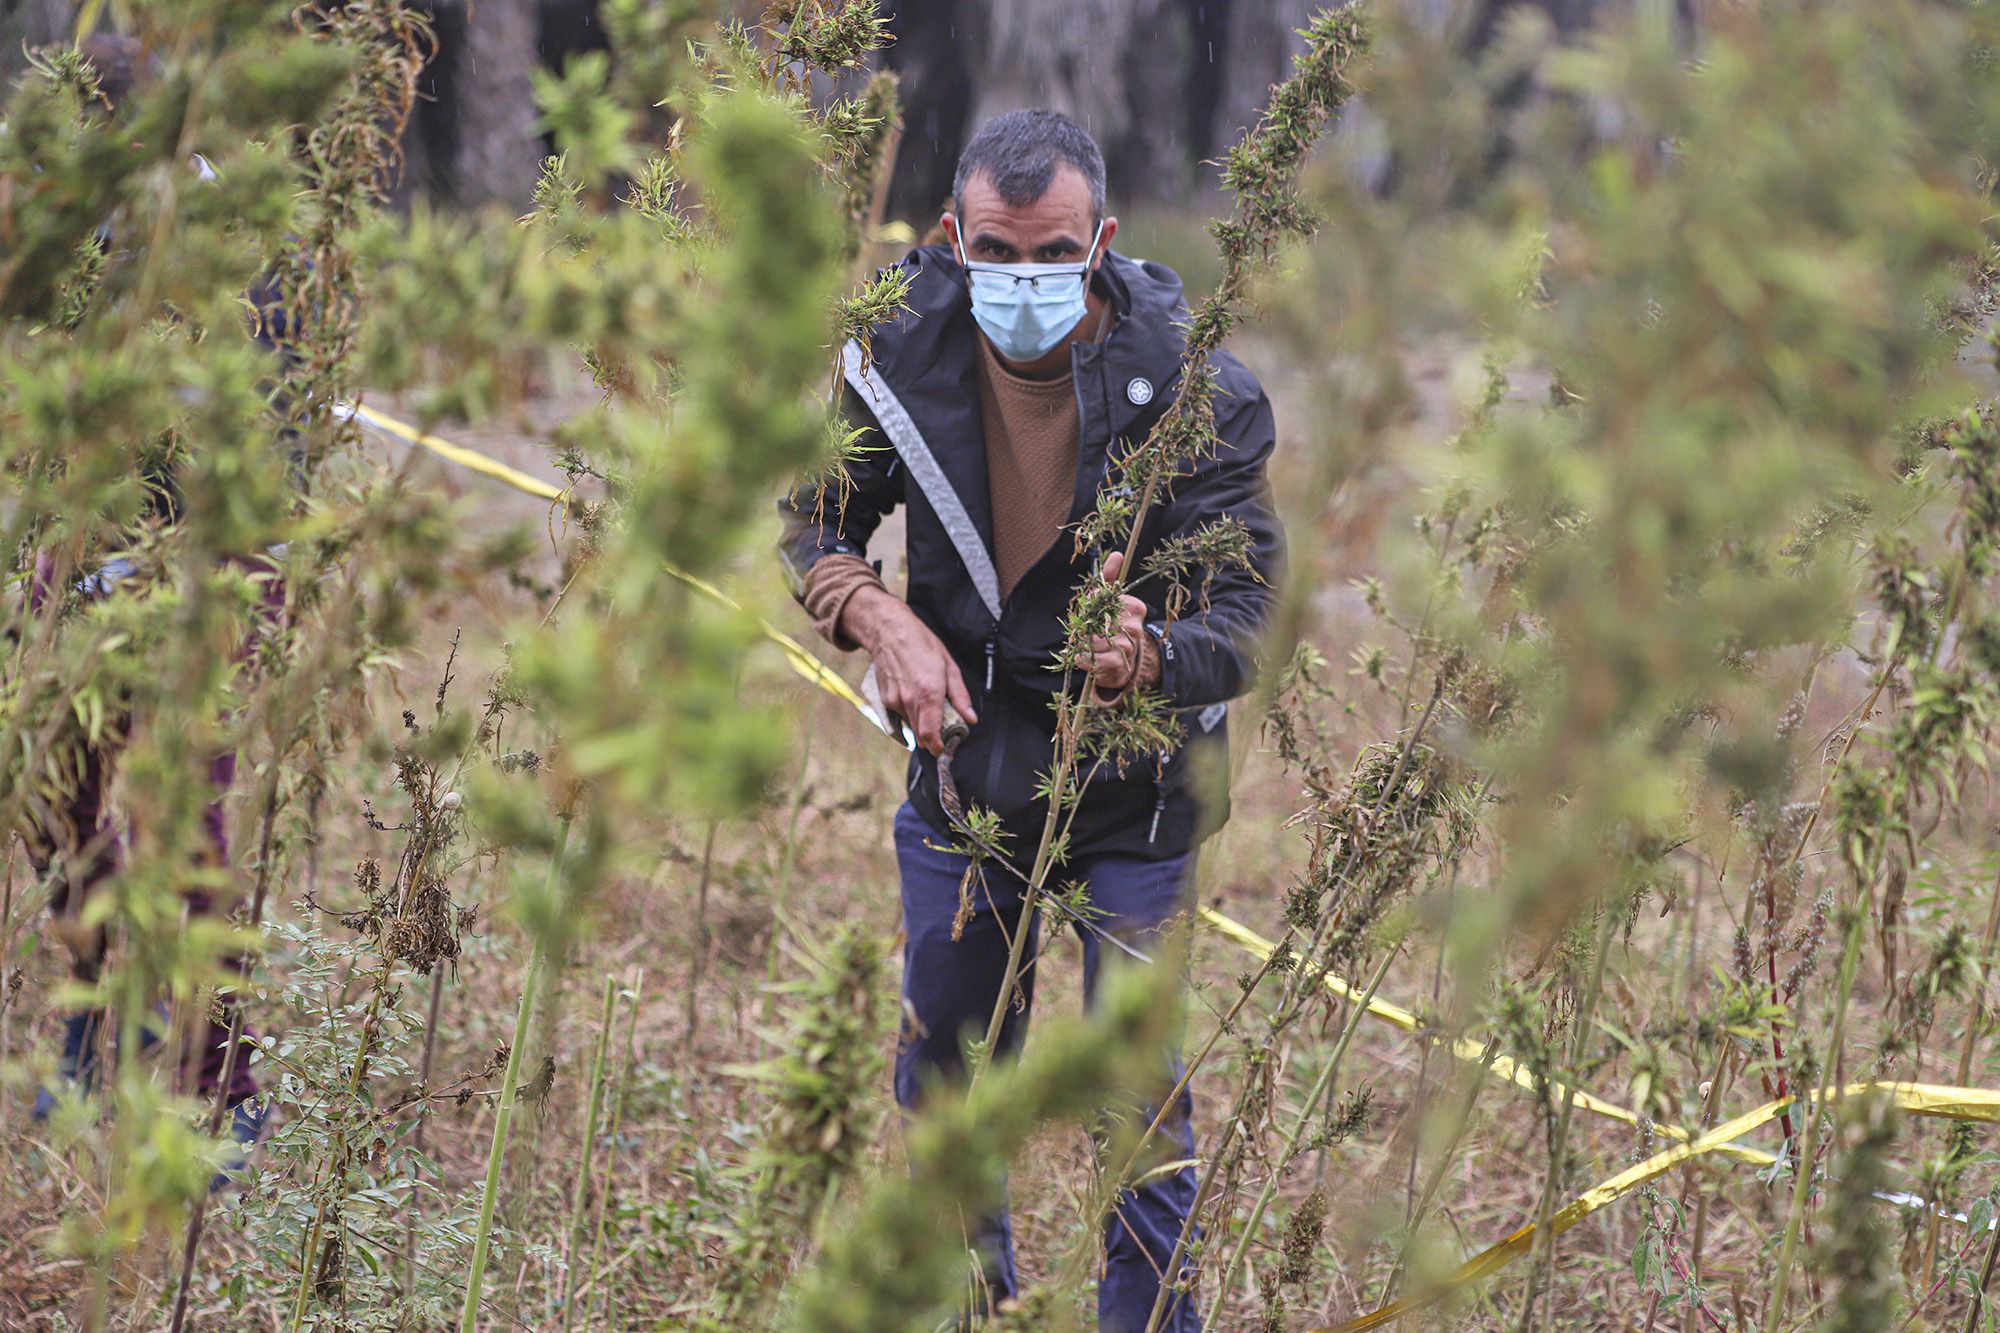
x,y
1031,429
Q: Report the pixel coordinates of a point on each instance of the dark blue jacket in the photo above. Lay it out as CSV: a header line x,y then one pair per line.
x,y
925,449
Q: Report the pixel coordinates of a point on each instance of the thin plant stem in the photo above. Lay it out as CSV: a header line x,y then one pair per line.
x,y
698,941
503,1115
1109,1184
416,1208
1301,985
1420,1104
1717,1084
6,953
574,1241
1294,1134
1978,1305
1030,899
1208,1179
197,1216
1850,958
1965,1053
1171,1277
1195,1062
364,1045
1475,1083
1951,1270
1978,1018
625,1063
1552,1183
1774,1311
787,861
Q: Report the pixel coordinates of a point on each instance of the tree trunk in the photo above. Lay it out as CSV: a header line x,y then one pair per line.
x,y
498,153
1257,52
928,56
1117,66
1571,17
1152,155
27,23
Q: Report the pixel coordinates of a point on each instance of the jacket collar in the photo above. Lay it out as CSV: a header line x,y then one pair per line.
x,y
928,357
1146,341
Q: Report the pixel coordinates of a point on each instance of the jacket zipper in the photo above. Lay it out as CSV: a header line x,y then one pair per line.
x,y
1159,797
997,755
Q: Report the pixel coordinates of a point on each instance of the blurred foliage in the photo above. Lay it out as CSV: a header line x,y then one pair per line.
x,y
140,418
900,1261
1698,316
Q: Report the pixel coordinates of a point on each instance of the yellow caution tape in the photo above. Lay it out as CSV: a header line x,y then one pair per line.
x,y
1917,1098
796,656
1502,1067
811,668
470,459
802,661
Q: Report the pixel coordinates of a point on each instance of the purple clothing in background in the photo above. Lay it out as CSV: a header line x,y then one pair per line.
x,y
80,835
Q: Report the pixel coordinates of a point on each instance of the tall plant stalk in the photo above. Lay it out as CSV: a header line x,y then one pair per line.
x,y
581,1192
1262,171
1585,1020
191,1243
620,1081
6,969
788,858
510,1085
1304,1117
426,1066
698,937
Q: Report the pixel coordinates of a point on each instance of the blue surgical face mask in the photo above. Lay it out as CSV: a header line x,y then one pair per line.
x,y
1026,309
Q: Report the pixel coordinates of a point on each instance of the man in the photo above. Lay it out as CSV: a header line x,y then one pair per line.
x,y
1030,353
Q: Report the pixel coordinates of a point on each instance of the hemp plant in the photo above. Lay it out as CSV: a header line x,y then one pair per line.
x,y
818,1124
1261,170
123,311
897,1261
705,351
1888,790
143,422
1717,333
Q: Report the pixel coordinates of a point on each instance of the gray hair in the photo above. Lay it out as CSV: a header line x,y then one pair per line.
x,y
1019,152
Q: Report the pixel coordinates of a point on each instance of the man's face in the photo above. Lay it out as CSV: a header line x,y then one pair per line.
x,y
1054,229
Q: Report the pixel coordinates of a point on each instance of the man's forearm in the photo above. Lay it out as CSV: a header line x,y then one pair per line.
x,y
860,619
831,585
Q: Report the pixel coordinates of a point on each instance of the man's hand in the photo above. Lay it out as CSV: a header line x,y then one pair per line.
x,y
1124,658
914,672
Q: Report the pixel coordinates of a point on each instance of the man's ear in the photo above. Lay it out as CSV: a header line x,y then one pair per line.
x,y
1104,242
949,221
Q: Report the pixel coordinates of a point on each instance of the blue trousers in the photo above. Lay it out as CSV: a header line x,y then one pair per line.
x,y
949,987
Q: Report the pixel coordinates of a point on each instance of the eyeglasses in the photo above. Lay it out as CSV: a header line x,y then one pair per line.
x,y
1033,281
1034,275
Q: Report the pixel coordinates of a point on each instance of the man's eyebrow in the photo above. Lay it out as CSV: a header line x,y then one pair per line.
x,y
986,240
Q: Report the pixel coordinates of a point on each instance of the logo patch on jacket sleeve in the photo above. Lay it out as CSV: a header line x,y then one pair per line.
x,y
1140,391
